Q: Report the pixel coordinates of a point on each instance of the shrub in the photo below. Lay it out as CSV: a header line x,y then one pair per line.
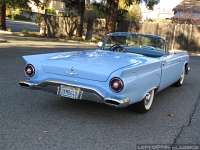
x,y
20,17
50,11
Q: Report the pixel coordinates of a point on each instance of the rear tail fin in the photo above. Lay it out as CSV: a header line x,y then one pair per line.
x,y
35,59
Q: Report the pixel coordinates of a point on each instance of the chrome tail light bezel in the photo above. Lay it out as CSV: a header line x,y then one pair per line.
x,y
29,70
116,84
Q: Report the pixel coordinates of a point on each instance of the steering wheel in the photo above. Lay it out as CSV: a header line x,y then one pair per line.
x,y
117,48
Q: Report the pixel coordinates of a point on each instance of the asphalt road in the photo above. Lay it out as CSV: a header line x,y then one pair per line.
x,y
35,120
19,26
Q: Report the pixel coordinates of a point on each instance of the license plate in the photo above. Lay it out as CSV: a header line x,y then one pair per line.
x,y
69,92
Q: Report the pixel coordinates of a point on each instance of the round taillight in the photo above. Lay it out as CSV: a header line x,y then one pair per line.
x,y
29,70
116,84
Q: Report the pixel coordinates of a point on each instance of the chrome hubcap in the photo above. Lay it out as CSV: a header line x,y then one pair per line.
x,y
149,100
182,78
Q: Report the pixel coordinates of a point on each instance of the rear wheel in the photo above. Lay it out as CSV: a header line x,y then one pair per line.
x,y
181,80
146,103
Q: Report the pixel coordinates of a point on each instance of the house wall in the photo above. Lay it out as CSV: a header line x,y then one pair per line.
x,y
34,8
58,5
187,17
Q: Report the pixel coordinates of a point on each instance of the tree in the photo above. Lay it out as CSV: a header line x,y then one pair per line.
x,y
112,10
151,3
13,4
3,15
112,13
17,3
46,21
90,17
81,11
79,7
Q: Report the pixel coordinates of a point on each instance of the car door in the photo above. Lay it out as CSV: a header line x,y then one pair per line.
x,y
171,66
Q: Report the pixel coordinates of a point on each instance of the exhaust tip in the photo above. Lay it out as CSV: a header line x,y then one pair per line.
x,y
112,102
23,84
118,103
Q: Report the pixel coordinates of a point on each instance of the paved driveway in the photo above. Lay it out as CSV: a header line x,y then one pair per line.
x,y
35,120
19,26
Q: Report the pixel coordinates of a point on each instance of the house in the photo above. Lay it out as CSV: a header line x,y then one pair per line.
x,y
163,10
188,11
56,5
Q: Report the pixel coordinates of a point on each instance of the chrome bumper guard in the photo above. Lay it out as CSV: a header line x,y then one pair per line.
x,y
88,93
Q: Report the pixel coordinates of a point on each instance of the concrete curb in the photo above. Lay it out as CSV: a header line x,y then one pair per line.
x,y
5,32
3,41
194,54
191,53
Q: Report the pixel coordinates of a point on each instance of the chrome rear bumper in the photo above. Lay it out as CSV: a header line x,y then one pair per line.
x,y
88,92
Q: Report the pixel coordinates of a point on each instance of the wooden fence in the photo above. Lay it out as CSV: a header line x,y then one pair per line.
x,y
178,36
57,26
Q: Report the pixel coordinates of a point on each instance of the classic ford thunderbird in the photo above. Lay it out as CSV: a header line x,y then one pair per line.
x,y
125,69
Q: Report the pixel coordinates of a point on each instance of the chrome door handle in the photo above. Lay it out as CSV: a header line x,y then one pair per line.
x,y
163,63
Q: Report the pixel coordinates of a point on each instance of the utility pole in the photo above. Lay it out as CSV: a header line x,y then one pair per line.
x,y
3,15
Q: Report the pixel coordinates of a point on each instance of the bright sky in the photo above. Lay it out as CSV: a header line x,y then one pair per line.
x,y
167,4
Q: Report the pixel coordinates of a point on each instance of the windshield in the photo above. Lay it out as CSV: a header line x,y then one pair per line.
x,y
134,41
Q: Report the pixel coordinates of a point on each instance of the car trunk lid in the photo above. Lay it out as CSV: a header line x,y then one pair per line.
x,y
92,65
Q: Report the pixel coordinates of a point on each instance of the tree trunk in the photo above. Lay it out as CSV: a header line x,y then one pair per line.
x,y
81,8
123,26
49,24
3,15
111,18
90,24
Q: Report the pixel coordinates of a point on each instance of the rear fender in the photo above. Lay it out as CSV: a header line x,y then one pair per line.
x,y
139,81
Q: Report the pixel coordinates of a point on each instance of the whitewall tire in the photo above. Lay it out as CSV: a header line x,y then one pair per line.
x,y
181,80
146,103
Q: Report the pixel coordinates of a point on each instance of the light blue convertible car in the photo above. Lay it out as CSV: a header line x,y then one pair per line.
x,y
126,68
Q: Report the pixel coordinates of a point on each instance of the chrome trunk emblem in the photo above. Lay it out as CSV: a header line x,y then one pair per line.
x,y
72,71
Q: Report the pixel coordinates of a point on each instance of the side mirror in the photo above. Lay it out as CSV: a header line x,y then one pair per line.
x,y
100,44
